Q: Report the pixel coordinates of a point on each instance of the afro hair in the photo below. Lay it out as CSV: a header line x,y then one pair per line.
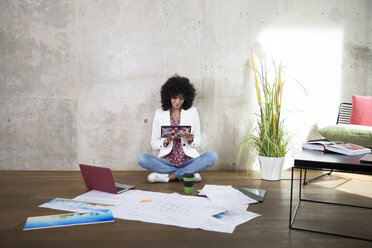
x,y
174,86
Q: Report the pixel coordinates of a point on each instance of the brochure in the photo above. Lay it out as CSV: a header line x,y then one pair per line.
x,y
71,219
76,206
318,145
338,147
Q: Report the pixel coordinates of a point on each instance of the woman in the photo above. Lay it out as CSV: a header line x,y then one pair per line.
x,y
177,156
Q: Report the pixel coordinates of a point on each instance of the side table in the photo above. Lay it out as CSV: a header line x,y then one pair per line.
x,y
314,160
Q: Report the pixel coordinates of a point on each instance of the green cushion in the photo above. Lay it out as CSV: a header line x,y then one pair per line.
x,y
347,133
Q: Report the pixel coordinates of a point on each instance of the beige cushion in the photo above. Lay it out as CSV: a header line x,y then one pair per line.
x,y
314,134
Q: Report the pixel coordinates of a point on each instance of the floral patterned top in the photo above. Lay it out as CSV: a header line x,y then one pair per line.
x,y
177,156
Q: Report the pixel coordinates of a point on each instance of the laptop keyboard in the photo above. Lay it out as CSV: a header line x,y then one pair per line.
x,y
119,188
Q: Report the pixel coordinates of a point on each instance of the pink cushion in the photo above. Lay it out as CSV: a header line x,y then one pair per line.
x,y
361,111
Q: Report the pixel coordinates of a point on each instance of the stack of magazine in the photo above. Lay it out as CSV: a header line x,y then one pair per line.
x,y
338,147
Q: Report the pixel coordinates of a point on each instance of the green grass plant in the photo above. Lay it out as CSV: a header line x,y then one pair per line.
x,y
268,137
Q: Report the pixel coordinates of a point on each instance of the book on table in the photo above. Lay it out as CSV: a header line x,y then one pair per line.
x,y
336,146
366,158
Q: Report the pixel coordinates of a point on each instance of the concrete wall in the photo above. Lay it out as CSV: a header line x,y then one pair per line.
x,y
80,80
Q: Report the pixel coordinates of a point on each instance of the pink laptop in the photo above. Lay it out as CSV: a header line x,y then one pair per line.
x,y
100,178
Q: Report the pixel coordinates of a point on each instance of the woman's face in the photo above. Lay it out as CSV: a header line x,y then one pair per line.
x,y
177,101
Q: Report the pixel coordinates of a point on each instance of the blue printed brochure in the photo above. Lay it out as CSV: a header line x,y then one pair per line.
x,y
71,219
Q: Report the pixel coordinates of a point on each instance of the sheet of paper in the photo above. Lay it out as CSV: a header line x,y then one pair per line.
x,y
227,197
235,217
75,206
169,209
96,196
212,224
226,221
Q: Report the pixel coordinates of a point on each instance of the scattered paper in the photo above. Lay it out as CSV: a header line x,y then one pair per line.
x,y
179,210
221,211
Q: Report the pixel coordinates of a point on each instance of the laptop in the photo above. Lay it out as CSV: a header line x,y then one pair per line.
x,y
100,178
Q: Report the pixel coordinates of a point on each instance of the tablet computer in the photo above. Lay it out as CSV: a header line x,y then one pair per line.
x,y
174,131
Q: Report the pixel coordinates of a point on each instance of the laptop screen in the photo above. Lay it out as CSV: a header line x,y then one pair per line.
x,y
98,178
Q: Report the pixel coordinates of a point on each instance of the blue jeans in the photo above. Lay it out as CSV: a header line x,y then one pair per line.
x,y
163,166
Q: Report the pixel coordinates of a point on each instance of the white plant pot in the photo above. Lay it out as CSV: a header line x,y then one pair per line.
x,y
271,167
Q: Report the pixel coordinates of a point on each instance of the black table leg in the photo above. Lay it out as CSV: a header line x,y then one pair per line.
x,y
293,217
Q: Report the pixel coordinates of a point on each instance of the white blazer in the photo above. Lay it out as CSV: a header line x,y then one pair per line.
x,y
188,117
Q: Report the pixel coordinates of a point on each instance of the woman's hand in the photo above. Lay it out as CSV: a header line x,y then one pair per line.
x,y
189,137
168,140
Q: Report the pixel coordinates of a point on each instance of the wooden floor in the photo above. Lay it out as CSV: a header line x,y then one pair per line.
x,y
22,192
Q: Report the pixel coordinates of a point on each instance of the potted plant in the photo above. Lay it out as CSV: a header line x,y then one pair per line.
x,y
268,138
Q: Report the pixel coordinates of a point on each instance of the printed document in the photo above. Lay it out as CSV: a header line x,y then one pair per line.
x,y
227,197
